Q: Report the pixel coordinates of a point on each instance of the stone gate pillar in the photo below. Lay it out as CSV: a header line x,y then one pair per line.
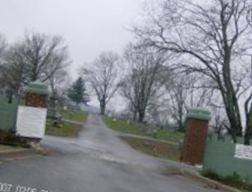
x,y
195,136
31,118
36,95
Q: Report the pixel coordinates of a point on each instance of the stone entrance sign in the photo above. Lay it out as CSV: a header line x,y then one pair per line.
x,y
243,152
31,122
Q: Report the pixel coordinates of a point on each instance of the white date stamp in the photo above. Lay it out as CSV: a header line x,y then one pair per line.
x,y
7,187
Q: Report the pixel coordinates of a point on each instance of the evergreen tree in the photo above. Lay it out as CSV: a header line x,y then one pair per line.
x,y
77,92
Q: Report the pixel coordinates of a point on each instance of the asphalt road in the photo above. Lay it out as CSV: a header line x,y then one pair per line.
x,y
97,161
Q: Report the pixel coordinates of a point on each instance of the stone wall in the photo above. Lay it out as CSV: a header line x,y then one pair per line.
x,y
8,113
219,158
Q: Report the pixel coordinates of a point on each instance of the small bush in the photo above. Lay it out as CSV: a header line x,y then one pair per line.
x,y
233,180
211,174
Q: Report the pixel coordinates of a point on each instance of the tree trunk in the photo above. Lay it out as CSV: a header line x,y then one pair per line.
x,y
102,108
248,130
10,96
134,115
248,134
233,114
34,76
141,115
230,98
180,117
181,125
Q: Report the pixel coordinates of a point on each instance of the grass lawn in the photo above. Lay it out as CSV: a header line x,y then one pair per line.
x,y
7,148
154,148
68,129
137,129
74,115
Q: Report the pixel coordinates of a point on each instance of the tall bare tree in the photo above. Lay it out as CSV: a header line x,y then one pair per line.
x,y
3,46
215,36
57,81
184,92
36,57
102,74
141,84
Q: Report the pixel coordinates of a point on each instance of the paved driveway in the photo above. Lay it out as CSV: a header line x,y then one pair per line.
x,y
97,161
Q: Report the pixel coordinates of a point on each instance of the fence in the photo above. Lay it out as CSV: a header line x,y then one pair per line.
x,y
219,158
8,112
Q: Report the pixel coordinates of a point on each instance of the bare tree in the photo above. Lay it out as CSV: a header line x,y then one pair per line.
x,y
184,92
2,51
13,71
141,84
59,84
36,57
215,36
3,45
102,74
57,81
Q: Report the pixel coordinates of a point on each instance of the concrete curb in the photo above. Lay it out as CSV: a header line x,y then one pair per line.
x,y
17,155
210,183
9,151
193,173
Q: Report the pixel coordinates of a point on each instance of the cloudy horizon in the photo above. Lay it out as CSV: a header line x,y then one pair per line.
x,y
88,27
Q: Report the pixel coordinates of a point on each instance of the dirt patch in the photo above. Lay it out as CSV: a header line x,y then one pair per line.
x,y
154,148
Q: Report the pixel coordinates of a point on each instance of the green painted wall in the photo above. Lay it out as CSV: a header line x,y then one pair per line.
x,y
8,114
219,157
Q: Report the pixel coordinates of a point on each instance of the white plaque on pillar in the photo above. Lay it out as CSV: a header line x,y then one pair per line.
x,y
243,152
31,122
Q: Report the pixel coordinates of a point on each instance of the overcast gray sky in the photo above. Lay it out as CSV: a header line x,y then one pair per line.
x,y
88,26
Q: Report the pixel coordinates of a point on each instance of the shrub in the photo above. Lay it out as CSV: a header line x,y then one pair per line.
x,y
234,180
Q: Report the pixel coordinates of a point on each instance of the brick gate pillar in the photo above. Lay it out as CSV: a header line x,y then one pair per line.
x,y
195,136
31,118
36,95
